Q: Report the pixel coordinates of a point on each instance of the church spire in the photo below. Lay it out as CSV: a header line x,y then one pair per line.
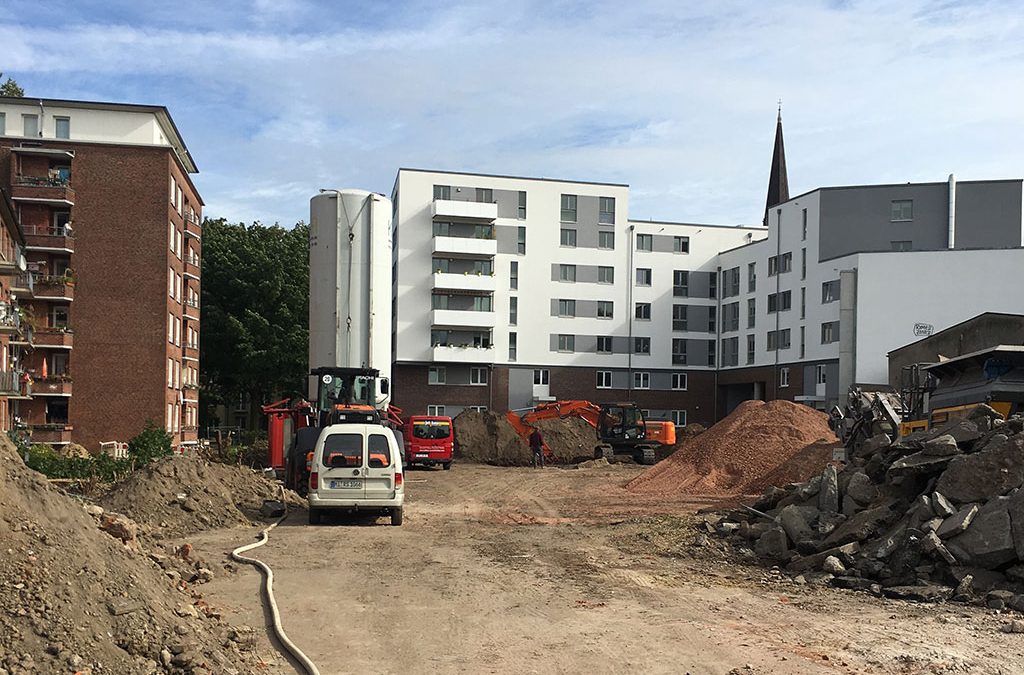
x,y
778,181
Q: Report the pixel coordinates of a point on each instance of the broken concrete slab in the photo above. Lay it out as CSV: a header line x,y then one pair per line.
x,y
828,496
891,542
923,593
941,505
792,521
772,544
994,471
809,562
861,489
859,527
916,465
871,446
832,565
1015,507
943,446
988,540
958,522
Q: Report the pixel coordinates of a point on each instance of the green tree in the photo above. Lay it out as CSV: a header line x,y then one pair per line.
x,y
10,88
255,296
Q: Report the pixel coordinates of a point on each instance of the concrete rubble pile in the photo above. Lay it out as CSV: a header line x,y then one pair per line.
x,y
938,515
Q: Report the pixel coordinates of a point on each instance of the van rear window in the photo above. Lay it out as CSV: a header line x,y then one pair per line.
x,y
431,429
344,446
380,451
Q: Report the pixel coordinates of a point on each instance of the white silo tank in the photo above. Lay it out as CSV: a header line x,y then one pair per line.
x,y
350,282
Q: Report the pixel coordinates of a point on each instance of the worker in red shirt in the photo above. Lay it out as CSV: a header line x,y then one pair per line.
x,y
537,446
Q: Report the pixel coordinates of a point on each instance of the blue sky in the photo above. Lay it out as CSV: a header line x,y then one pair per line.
x,y
276,99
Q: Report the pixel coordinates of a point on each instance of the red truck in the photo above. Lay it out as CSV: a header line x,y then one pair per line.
x,y
428,441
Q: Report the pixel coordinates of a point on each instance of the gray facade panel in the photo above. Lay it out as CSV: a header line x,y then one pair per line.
x,y
988,215
586,344
586,215
586,308
662,243
699,283
520,387
508,203
586,274
696,352
508,238
661,380
620,379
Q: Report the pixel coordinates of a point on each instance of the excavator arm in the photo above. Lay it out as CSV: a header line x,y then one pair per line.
x,y
525,421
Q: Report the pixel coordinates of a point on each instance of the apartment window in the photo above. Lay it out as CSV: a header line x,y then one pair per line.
x,y
604,379
568,212
482,303
680,283
641,345
679,418
751,312
513,310
483,267
820,375
643,311
170,282
803,234
170,328
540,376
679,317
712,358
750,349
902,210
605,309
731,317
441,265
829,332
783,377
604,344
786,263
803,263
177,331
679,381
62,127
439,338
730,282
567,308
606,240
606,210
678,352
170,416
643,276
803,342
483,232
442,192
177,374
174,189
680,244
170,372
31,125
566,343
712,285
485,195
644,242
521,241
3,124
902,245
513,275
803,302
641,380
478,376
712,319
482,340
605,275
830,291
521,208
778,339
779,302
513,340
568,237
438,301
567,273
442,229
435,410
437,375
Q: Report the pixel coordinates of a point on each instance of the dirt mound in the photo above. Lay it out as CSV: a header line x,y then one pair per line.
x,y
754,440
74,450
489,438
808,462
74,598
181,495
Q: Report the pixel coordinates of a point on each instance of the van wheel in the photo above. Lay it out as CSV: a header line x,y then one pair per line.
x,y
396,516
314,517
447,466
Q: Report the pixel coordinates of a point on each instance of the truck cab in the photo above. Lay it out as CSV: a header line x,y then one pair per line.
x,y
429,441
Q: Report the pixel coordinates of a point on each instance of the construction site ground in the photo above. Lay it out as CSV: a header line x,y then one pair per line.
x,y
558,570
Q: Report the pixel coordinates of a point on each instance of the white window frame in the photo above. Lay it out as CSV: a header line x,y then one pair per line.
x,y
606,216
437,375
641,380
605,270
678,417
541,376
644,276
566,308
605,309
604,379
567,273
57,120
568,208
681,245
478,376
170,372
783,377
644,242
611,344
435,410
820,374
680,381
636,343
567,237
602,240
170,328
566,343
642,311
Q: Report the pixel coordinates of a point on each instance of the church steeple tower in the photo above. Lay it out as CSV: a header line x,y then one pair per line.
x,y
778,181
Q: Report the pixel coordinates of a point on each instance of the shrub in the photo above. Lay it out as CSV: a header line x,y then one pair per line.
x,y
153,442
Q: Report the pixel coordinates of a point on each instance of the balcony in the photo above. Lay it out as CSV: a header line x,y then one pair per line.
x,y
460,318
192,269
53,338
54,288
454,354
12,262
193,229
478,212
465,246
50,239
470,281
23,285
191,310
53,434
43,189
10,383
58,385
191,353
10,320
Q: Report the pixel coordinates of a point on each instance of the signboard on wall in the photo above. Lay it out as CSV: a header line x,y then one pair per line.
x,y
923,329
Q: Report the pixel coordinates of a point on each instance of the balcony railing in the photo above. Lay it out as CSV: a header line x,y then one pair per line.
x,y
50,237
57,287
55,385
10,383
10,320
43,188
57,433
23,285
44,181
49,336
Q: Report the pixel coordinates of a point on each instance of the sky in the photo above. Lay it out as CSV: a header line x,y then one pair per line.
x,y
276,99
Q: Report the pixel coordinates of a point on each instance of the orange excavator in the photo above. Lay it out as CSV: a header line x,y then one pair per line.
x,y
621,428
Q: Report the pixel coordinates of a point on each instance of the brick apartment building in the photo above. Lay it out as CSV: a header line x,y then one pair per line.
x,y
111,287
13,331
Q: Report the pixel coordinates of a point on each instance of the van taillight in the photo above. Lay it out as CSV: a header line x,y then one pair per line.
x,y
314,480
398,480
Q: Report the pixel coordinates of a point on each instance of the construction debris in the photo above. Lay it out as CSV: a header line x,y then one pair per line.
x,y
934,516
487,437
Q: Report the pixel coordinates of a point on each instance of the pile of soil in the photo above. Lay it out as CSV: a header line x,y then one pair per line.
x,y
734,455
488,438
75,598
184,494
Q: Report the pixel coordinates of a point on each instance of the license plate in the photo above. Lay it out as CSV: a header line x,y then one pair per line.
x,y
346,484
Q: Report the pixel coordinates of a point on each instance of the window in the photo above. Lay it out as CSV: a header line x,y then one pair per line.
x,y
803,302
641,380
62,127
730,282
482,340
442,192
170,372
567,273
483,232
378,451
902,210
568,212
779,302
521,208
680,244
783,377
31,125
902,245
643,276
604,344
568,237
679,381
606,210
731,317
540,376
435,410
170,416
605,309
679,418
606,275
513,275
3,124
678,352
750,349
437,375
711,353
478,408
438,301
803,342
644,242
170,328
174,189
679,317
730,352
441,264
780,264
439,338
566,343
820,375
641,345
512,346
829,332
170,282
521,241
751,277
751,312
606,240
478,376
803,263
604,379
712,323
680,283
643,311
778,340
482,303
485,195
567,308
177,331
441,229
713,285
830,291
513,310
803,235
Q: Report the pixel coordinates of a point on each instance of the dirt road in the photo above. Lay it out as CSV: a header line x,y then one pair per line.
x,y
501,570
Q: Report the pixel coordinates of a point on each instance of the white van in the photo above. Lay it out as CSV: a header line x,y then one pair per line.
x,y
356,467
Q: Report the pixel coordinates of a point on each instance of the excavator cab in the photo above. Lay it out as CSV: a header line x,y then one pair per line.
x,y
622,430
348,395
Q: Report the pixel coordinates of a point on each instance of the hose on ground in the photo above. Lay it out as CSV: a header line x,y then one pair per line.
x,y
268,588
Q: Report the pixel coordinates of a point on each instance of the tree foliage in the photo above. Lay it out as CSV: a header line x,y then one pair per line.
x,y
10,87
255,295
